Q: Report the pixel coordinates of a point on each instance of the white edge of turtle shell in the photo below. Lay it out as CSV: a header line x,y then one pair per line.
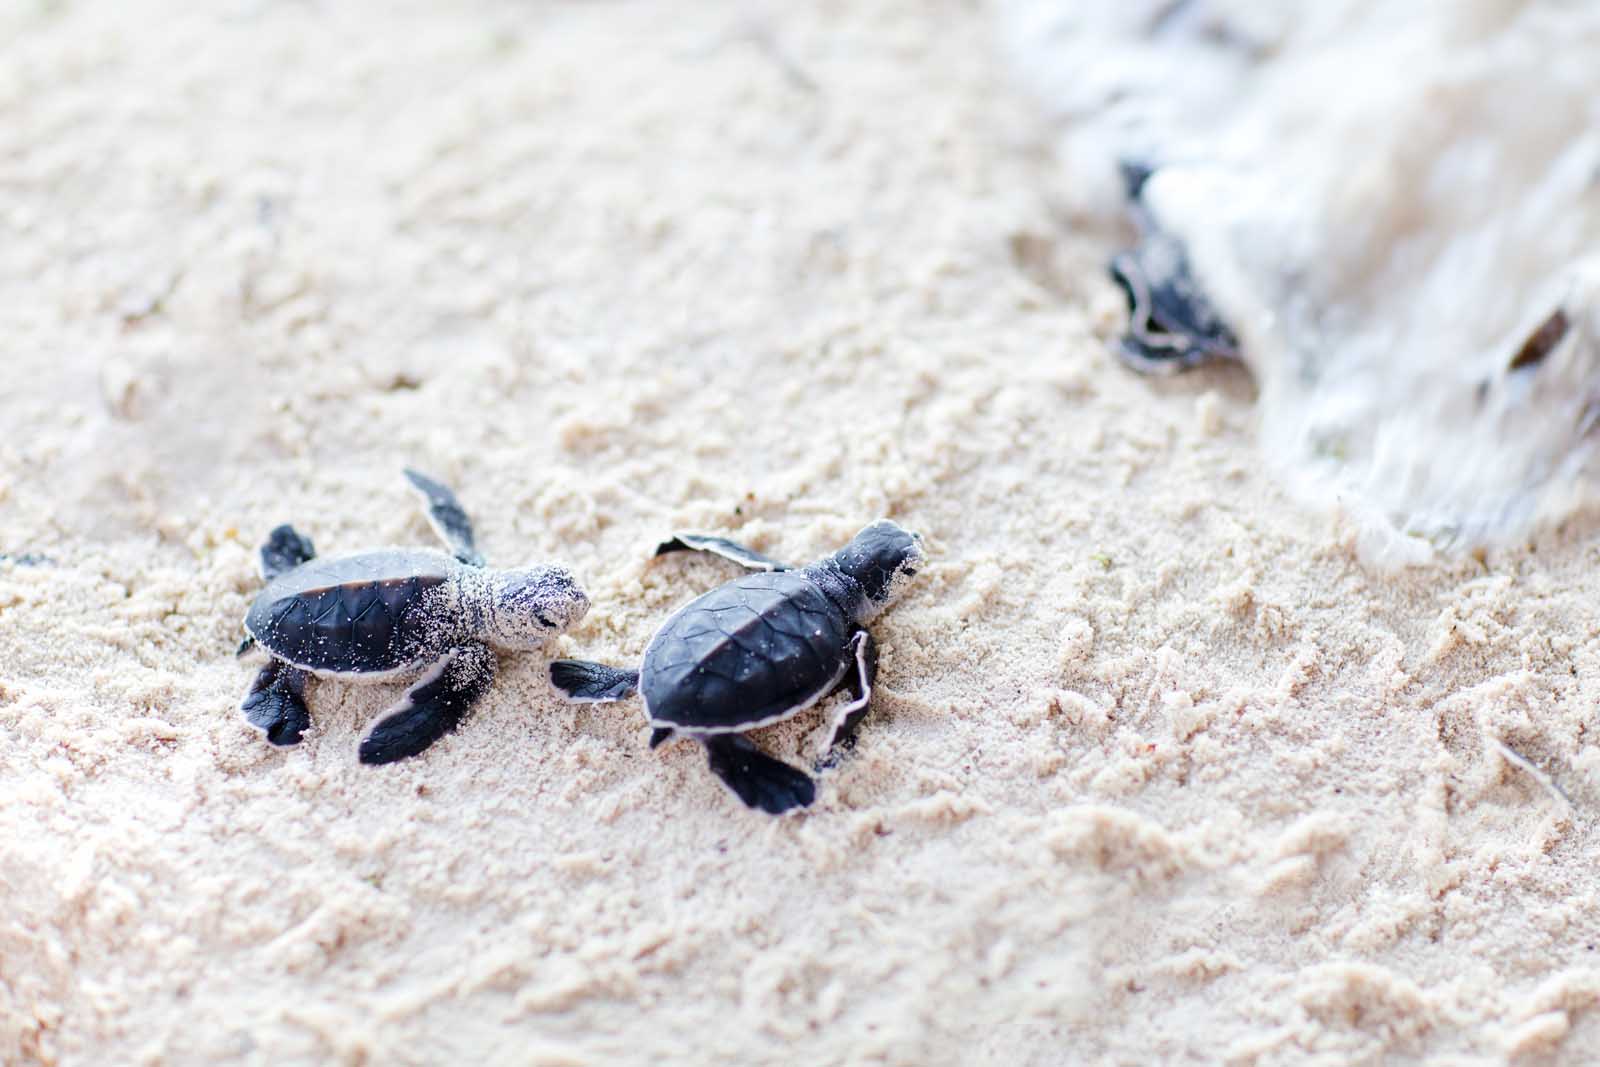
x,y
568,698
362,677
808,702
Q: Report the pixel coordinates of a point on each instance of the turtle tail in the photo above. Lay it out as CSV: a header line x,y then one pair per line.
x,y
584,682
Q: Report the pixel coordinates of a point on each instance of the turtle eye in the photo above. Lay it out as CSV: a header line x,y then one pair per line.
x,y
546,623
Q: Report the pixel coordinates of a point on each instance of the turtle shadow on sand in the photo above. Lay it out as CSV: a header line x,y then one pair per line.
x,y
393,613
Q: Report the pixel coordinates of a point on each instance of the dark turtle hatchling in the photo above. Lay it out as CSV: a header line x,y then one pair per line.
x,y
757,650
1172,324
391,613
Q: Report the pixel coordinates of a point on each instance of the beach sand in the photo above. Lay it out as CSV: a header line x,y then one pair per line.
x,y
1158,771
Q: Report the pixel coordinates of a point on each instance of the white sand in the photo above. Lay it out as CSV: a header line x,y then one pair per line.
x,y
1158,772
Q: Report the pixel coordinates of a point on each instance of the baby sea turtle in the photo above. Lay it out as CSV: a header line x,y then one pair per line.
x,y
757,650
1172,323
393,612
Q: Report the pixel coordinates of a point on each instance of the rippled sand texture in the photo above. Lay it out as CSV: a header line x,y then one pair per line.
x,y
1159,769
1397,209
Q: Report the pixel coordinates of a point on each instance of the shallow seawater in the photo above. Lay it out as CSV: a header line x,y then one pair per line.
x,y
1394,207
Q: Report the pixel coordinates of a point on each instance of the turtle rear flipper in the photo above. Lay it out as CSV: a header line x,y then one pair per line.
x,y
276,703
285,549
447,517
762,782
721,546
431,708
583,682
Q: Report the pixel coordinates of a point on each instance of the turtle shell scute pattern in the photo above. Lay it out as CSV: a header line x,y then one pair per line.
x,y
356,615
751,650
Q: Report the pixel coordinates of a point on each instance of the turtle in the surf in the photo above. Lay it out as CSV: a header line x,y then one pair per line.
x,y
393,613
1172,324
757,650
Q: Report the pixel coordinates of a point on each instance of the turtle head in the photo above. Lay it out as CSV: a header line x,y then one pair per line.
x,y
525,608
881,559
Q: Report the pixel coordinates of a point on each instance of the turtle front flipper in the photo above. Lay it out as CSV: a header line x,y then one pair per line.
x,y
755,777
285,549
860,679
276,703
721,546
431,708
447,517
583,682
